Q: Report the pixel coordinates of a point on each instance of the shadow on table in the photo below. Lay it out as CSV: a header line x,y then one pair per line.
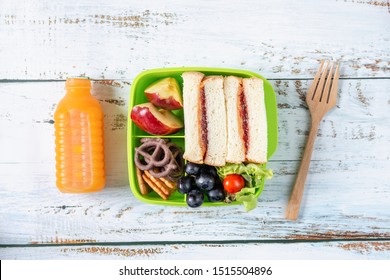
x,y
113,96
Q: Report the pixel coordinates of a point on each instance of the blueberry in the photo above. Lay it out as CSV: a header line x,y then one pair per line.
x,y
216,194
210,170
218,183
192,168
205,181
195,198
185,184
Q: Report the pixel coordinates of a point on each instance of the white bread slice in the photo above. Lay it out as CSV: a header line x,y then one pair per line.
x,y
216,121
194,146
257,120
232,87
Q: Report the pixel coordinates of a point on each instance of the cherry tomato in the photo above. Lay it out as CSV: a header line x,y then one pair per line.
x,y
233,183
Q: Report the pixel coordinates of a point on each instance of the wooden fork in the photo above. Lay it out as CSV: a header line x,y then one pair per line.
x,y
320,98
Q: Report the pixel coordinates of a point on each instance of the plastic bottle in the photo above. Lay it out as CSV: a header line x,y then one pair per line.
x,y
79,139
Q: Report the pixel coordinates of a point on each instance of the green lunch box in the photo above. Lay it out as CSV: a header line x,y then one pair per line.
x,y
134,134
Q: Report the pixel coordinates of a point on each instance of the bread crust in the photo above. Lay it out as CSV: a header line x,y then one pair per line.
x,y
259,142
237,119
193,153
214,107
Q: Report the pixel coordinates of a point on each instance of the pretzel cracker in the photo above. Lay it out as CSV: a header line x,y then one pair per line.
x,y
144,188
168,183
154,187
157,182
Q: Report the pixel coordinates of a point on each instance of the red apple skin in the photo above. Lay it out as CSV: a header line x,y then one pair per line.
x,y
143,117
165,93
169,103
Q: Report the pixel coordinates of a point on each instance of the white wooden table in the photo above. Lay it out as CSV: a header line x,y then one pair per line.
x,y
346,205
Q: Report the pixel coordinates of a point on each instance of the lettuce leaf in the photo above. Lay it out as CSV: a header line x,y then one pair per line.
x,y
253,175
248,198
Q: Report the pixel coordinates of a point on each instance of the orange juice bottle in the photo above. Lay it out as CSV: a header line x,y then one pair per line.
x,y
78,123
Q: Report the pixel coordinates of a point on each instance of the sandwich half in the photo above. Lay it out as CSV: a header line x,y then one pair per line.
x,y
254,121
234,95
224,119
195,146
215,119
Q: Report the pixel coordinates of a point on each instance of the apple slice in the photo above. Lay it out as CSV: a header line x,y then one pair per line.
x,y
155,121
165,93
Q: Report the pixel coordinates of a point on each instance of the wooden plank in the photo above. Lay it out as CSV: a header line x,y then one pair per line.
x,y
342,200
374,250
117,40
355,130
346,197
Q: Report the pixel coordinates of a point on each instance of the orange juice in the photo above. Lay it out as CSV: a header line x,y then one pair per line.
x,y
79,139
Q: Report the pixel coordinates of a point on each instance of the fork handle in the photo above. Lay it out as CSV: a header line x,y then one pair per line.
x,y
297,192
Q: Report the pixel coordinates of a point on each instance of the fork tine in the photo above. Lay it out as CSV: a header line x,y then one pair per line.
x,y
313,86
318,92
325,92
333,91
